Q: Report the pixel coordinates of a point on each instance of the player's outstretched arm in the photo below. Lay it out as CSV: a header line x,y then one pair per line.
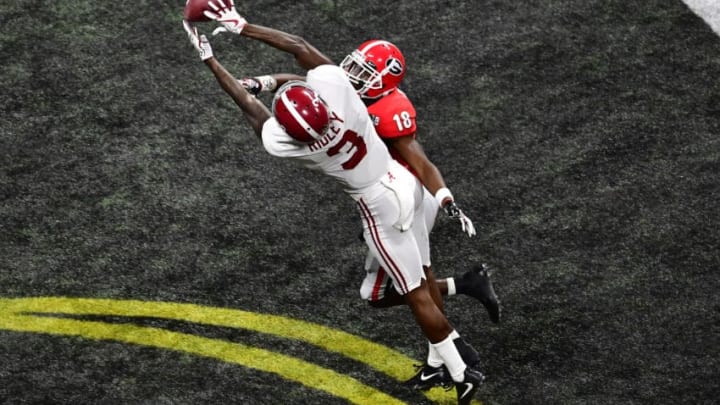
x,y
224,12
254,110
306,55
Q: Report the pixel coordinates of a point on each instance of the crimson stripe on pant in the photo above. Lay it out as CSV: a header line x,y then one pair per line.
x,y
379,283
378,244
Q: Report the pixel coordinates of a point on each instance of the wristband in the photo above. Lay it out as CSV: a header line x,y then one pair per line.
x,y
452,290
267,83
442,194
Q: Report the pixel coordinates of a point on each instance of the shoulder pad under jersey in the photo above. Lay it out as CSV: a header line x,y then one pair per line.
x,y
393,115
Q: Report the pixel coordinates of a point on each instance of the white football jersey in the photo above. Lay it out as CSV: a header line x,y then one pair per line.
x,y
351,152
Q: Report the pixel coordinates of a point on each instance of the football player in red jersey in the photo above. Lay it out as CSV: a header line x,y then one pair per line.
x,y
376,69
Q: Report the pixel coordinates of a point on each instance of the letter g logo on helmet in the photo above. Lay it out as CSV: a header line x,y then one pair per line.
x,y
394,66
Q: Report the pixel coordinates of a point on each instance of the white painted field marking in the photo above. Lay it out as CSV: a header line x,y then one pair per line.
x,y
708,10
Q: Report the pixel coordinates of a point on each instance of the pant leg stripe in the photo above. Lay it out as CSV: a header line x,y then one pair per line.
x,y
390,264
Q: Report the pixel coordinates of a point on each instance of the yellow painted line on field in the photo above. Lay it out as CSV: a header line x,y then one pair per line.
x,y
288,367
16,314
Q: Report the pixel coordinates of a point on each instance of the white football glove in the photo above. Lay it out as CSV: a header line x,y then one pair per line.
x,y
200,42
228,17
455,213
251,85
255,85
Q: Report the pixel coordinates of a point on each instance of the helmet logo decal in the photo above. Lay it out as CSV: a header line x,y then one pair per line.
x,y
394,66
301,112
316,101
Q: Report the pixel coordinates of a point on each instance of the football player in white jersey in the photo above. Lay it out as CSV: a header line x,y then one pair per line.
x,y
375,69
325,126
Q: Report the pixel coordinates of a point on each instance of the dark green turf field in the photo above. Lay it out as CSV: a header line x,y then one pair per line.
x,y
582,138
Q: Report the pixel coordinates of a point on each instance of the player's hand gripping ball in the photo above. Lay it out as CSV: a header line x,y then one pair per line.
x,y
195,9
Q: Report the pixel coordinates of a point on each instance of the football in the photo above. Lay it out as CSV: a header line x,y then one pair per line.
x,y
194,10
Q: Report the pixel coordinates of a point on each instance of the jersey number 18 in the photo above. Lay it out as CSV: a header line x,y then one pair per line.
x,y
403,120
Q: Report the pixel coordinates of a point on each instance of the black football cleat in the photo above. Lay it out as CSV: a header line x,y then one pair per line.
x,y
477,284
468,387
428,377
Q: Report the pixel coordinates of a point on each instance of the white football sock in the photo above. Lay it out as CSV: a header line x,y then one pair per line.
x,y
451,358
433,358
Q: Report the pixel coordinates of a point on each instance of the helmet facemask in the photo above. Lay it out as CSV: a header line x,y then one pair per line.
x,y
375,68
363,74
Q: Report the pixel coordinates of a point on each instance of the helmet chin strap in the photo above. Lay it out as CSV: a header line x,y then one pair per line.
x,y
298,117
374,82
383,94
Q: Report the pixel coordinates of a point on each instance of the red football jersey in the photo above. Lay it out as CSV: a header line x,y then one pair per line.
x,y
393,117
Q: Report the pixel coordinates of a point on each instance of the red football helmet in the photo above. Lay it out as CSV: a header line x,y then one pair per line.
x,y
301,111
375,68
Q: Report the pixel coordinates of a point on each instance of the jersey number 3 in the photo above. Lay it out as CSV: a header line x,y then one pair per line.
x,y
357,149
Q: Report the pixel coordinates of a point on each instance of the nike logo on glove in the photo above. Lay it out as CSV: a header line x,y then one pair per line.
x,y
234,21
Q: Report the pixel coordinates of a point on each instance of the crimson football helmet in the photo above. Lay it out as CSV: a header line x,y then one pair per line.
x,y
301,111
375,68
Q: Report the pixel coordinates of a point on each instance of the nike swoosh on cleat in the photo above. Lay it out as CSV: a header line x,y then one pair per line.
x,y
469,388
424,377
